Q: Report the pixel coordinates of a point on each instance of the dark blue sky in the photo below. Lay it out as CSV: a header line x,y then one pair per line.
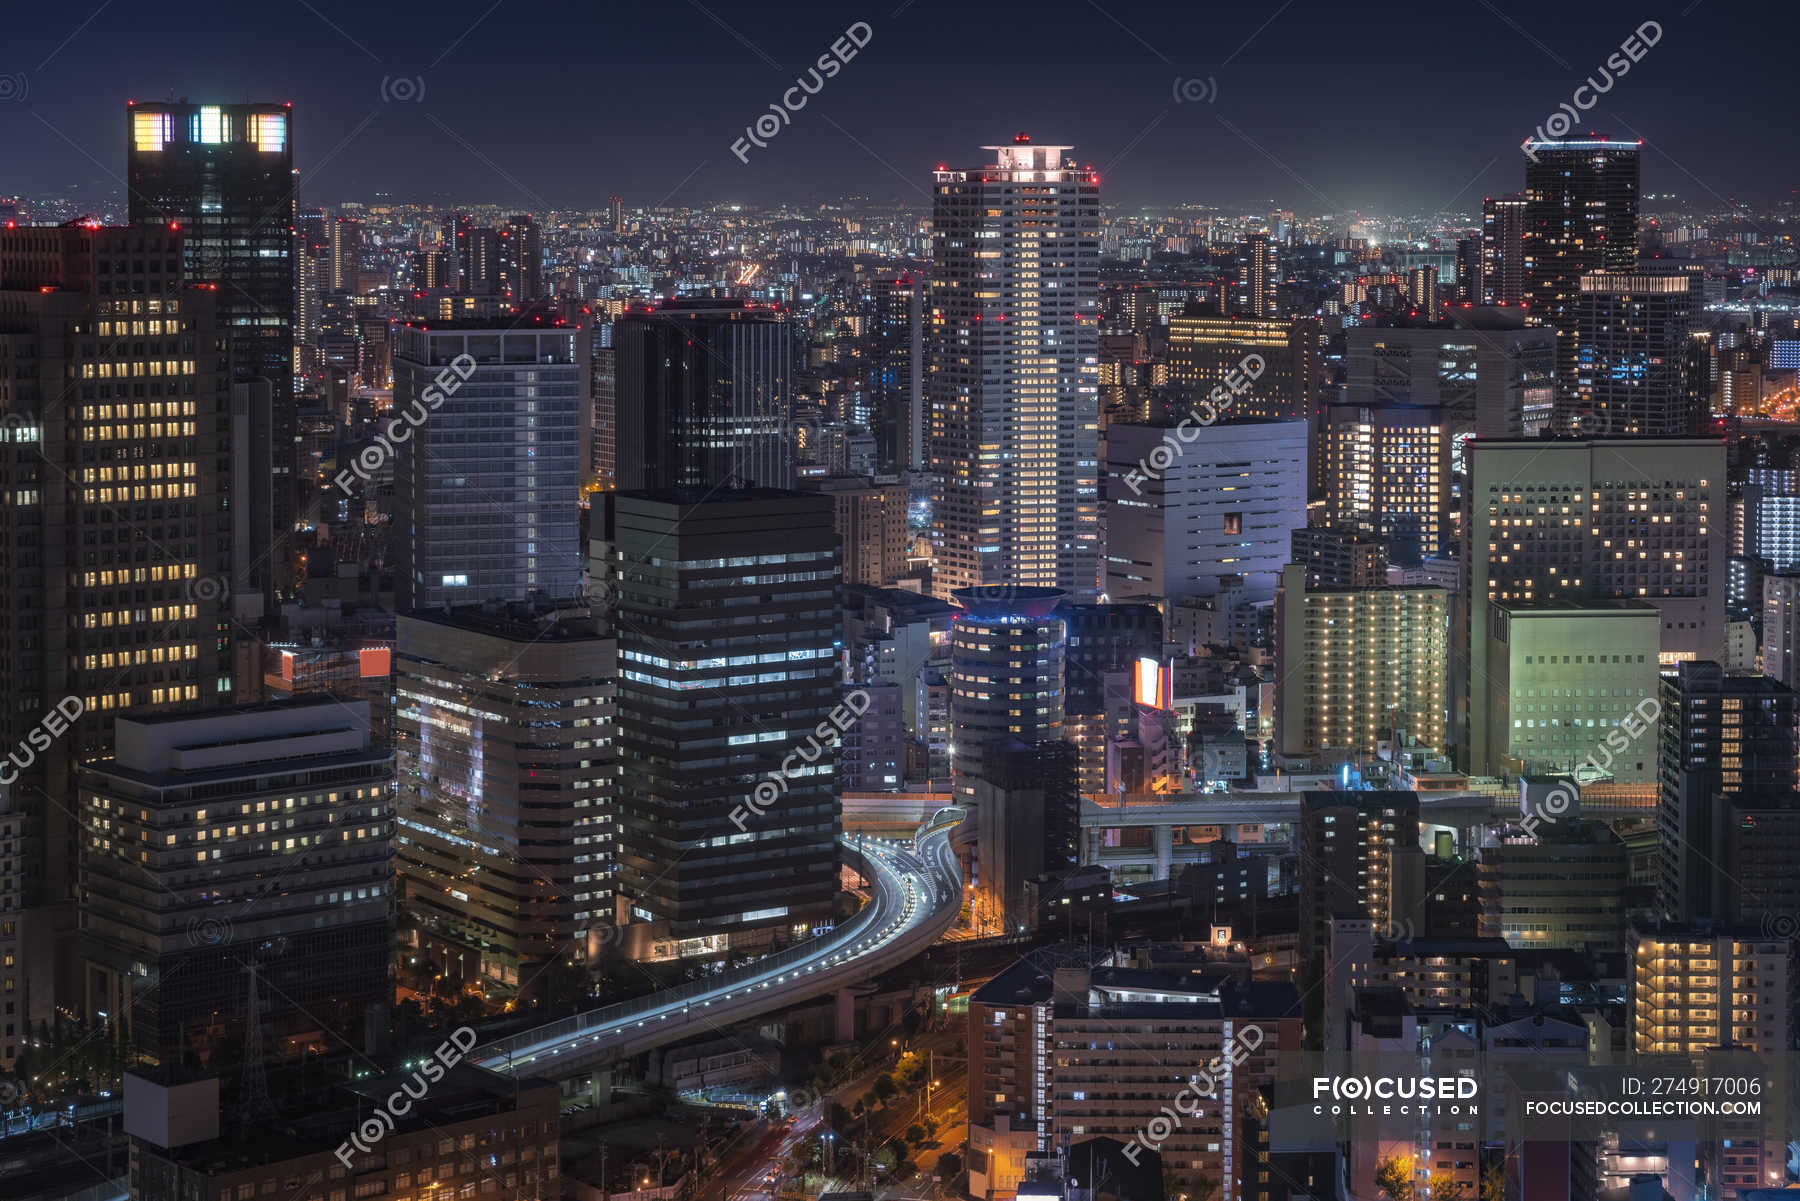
x,y
1399,106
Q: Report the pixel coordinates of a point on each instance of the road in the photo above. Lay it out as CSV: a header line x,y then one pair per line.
x,y
917,894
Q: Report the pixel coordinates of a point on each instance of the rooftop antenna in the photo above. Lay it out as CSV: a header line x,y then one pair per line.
x,y
254,1105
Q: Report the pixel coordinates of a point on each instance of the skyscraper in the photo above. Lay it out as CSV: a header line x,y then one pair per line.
x,y
487,476
1007,667
521,259
729,621
346,255
1503,250
896,372
1258,273
1204,348
1581,215
1387,470
704,396
1635,373
1492,376
1014,383
110,462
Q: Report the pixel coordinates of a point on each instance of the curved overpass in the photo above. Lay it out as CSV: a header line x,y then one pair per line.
x,y
917,893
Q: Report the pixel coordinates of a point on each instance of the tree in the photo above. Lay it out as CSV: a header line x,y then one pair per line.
x,y
1394,1176
915,1134
949,1166
1493,1183
885,1087
1444,1187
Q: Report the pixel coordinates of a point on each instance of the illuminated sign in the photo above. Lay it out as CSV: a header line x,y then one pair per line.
x,y
375,662
269,131
1148,690
150,131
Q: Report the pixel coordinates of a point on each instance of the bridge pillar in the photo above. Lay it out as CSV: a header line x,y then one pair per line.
x,y
1090,846
1165,850
844,1015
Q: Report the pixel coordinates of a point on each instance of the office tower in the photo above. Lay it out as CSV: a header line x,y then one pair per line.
x,y
1694,989
497,1133
1335,557
508,772
1422,292
705,396
1581,215
110,462
487,478
346,255
1204,349
871,520
1387,470
1636,374
1006,671
1491,374
1359,856
1727,743
1227,504
1503,250
603,454
1358,666
896,372
1075,1047
312,909
615,213
224,173
1561,675
728,808
1572,520
1781,628
1558,887
1014,437
1258,273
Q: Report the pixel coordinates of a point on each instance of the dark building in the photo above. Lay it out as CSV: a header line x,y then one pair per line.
x,y
896,372
311,910
1636,375
1726,753
520,256
1581,215
1103,638
1336,557
1029,802
1359,857
224,173
704,396
729,620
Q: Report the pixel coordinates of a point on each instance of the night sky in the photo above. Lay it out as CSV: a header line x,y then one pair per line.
x,y
1394,106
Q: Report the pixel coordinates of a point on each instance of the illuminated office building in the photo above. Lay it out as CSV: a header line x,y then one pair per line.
x,y
508,776
1007,663
225,174
704,396
1581,216
1358,665
1387,470
1014,372
729,627
1577,520
486,483
1204,349
345,255
1258,274
289,806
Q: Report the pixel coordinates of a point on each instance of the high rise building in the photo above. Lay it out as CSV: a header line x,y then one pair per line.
x,y
311,909
1387,470
1204,349
1359,665
1727,743
346,255
1636,374
1007,665
705,396
1560,886
1781,628
1258,274
1621,519
871,521
1503,250
1014,438
1227,504
488,472
1422,292
224,174
111,458
615,213
508,780
896,372
729,621
1336,557
1491,374
1359,857
1581,216
1560,675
